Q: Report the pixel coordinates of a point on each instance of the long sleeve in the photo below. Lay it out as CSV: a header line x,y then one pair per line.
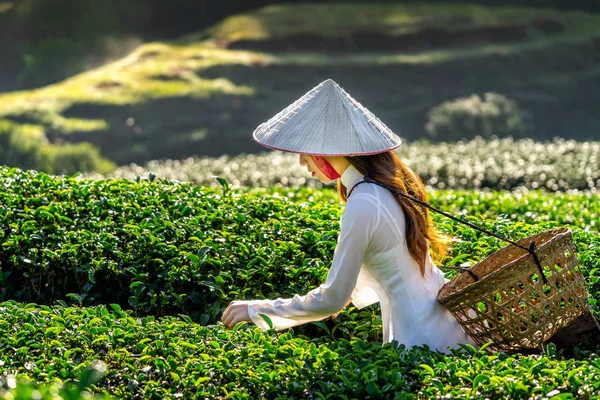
x,y
357,226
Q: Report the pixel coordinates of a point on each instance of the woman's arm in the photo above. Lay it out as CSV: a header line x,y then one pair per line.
x,y
337,313
356,230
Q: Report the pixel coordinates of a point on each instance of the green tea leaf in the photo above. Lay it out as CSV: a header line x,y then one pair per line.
x,y
267,319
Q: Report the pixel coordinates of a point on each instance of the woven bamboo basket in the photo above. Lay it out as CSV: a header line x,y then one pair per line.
x,y
510,305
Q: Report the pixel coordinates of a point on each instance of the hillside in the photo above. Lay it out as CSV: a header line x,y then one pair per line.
x,y
205,93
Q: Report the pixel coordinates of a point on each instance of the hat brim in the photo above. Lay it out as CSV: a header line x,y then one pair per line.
x,y
325,154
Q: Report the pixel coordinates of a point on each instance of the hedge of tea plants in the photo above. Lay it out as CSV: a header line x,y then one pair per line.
x,y
25,388
137,273
500,164
159,248
168,248
530,206
172,357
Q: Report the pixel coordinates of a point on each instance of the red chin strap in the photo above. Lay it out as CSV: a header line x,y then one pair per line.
x,y
325,167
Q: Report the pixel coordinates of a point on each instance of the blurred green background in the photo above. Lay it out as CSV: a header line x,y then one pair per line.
x,y
90,85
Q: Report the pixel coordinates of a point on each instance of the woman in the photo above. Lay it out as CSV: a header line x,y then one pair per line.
x,y
383,248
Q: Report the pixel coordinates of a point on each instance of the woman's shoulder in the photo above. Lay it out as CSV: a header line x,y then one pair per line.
x,y
372,198
362,194
369,192
365,200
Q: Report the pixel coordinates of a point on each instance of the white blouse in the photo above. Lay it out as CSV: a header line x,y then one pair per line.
x,y
371,263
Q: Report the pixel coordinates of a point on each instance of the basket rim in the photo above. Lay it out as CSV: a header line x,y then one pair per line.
x,y
558,233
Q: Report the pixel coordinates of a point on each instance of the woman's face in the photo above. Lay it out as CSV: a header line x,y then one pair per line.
x,y
305,159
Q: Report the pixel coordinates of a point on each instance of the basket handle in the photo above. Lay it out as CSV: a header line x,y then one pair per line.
x,y
463,269
530,250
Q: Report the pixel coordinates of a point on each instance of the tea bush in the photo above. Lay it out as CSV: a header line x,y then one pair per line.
x,y
172,357
136,274
157,247
166,248
467,117
532,206
151,358
12,388
498,164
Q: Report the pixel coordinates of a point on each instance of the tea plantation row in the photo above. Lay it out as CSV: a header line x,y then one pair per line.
x,y
176,358
532,206
494,164
165,258
167,248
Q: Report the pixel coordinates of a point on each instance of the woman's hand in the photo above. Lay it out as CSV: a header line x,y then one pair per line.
x,y
337,313
236,311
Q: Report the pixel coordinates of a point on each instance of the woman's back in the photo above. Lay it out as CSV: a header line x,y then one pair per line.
x,y
390,275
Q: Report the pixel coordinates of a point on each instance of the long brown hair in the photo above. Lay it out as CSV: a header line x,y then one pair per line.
x,y
388,169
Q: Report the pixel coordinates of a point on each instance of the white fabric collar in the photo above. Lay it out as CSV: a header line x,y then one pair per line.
x,y
350,177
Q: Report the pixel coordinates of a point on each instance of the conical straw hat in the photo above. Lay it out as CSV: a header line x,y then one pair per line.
x,y
326,121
